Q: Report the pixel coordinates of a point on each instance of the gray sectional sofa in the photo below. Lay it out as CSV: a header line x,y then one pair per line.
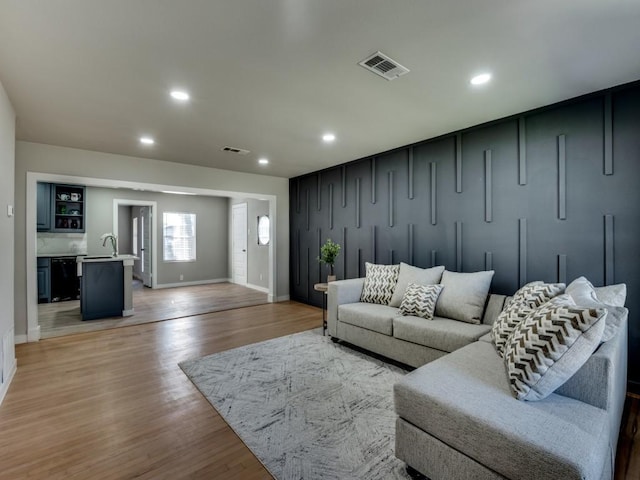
x,y
458,419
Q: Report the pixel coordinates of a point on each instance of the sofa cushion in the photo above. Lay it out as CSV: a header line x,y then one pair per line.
x,y
420,300
464,400
550,345
615,295
523,302
368,315
379,283
440,333
584,294
464,295
410,274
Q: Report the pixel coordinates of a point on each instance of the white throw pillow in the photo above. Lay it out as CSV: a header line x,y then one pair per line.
x,y
584,294
379,283
410,274
550,345
523,302
464,295
420,300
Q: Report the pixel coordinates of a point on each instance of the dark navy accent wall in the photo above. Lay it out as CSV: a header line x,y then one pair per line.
x,y
549,195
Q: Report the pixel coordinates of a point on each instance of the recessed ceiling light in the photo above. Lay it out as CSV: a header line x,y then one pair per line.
x,y
328,137
147,140
263,161
481,79
180,95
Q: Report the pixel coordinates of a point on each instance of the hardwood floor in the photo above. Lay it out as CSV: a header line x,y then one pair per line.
x,y
63,318
115,405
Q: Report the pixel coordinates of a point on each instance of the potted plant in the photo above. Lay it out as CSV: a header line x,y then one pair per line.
x,y
328,253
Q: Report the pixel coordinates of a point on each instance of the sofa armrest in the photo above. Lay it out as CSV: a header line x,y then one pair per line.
x,y
341,292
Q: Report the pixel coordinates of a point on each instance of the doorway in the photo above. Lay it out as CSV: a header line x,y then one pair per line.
x,y
239,243
138,232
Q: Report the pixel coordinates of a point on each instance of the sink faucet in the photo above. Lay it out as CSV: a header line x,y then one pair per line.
x,y
114,242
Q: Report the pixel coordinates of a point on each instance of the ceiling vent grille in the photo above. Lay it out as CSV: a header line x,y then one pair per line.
x,y
384,66
237,151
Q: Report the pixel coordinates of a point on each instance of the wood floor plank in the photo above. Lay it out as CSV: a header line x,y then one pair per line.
x,y
114,404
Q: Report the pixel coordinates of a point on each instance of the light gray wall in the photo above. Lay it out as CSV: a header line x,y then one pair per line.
x,y
211,231
124,229
7,156
35,157
257,255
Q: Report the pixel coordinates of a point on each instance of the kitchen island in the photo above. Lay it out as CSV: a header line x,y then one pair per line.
x,y
105,286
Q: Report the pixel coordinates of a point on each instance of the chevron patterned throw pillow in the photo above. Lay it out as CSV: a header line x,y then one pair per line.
x,y
523,302
550,345
379,283
420,300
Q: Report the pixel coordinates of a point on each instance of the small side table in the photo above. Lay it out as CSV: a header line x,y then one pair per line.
x,y
323,287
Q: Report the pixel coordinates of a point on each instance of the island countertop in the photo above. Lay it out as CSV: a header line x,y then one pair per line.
x,y
106,258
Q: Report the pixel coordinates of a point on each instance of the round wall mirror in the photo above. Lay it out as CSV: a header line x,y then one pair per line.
x,y
264,230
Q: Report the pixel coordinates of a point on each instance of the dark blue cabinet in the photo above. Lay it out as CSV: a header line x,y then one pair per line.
x,y
102,290
44,207
44,281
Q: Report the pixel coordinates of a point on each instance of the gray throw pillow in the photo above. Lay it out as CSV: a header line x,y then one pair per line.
x,y
420,300
379,283
550,345
584,294
410,274
464,295
523,302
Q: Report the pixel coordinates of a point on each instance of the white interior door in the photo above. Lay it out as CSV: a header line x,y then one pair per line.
x,y
239,244
145,233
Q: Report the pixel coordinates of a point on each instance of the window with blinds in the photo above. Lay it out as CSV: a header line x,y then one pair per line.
x,y
179,232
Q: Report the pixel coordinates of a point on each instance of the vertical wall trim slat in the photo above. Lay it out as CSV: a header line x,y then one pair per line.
x,y
319,191
488,261
298,256
308,275
522,152
411,243
391,254
358,202
608,134
298,195
434,218
331,206
373,180
488,207
319,264
344,252
562,268
374,257
434,253
308,209
360,263
609,272
562,177
391,198
459,163
458,246
344,186
410,168
522,227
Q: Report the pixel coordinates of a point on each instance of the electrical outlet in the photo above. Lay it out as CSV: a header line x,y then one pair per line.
x,y
181,277
260,276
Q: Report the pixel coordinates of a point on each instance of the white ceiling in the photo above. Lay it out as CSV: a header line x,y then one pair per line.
x,y
272,76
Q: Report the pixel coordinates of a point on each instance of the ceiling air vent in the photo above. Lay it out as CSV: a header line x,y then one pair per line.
x,y
382,65
238,151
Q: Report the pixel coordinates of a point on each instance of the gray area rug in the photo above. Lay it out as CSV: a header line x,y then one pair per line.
x,y
306,407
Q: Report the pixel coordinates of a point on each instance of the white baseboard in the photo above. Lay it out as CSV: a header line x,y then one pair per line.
x,y
257,287
4,388
190,284
283,298
17,339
